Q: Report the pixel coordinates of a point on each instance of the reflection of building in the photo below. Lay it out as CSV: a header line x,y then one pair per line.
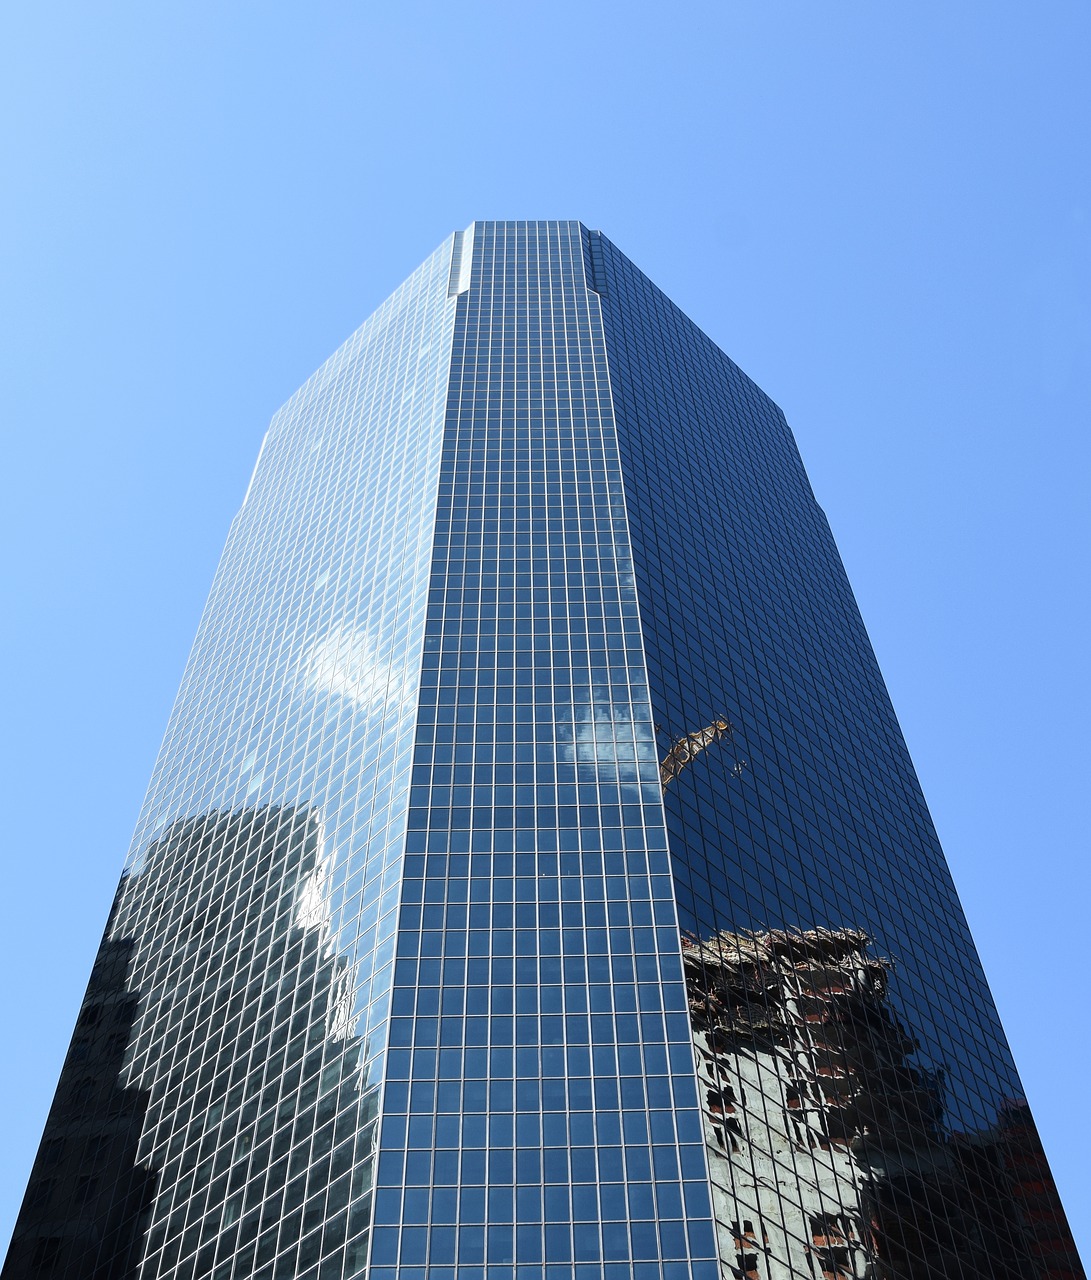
x,y
234,1020
826,1145
247,1039
88,1197
407,839
1015,1138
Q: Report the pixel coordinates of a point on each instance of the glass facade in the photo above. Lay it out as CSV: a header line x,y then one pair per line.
x,y
534,883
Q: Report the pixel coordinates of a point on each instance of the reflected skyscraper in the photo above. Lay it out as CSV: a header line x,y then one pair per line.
x,y
533,883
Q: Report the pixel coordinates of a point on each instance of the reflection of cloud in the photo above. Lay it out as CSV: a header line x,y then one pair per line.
x,y
347,664
602,735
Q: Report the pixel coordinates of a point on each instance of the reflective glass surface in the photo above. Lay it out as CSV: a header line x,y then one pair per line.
x,y
863,1113
533,883
217,1112
540,1115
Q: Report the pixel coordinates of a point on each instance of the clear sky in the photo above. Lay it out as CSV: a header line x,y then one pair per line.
x,y
881,211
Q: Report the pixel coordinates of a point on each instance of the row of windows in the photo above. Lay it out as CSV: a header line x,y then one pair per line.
x,y
220,924
518,967
468,1036
572,1270
826,827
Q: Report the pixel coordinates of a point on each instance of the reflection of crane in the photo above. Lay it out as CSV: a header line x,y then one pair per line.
x,y
690,745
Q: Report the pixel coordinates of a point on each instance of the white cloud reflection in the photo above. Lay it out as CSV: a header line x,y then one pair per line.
x,y
347,664
602,736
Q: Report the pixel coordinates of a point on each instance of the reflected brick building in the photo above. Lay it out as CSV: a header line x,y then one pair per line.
x,y
827,1148
529,656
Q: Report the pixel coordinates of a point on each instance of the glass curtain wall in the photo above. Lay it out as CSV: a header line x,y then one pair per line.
x,y
534,883
540,1107
863,1113
244,1032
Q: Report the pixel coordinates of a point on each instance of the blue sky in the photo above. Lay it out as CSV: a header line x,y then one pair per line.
x,y
880,211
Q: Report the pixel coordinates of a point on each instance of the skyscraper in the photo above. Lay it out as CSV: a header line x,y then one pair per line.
x,y
533,882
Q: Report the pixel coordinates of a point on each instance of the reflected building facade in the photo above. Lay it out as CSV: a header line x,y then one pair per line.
x,y
827,1147
442,952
